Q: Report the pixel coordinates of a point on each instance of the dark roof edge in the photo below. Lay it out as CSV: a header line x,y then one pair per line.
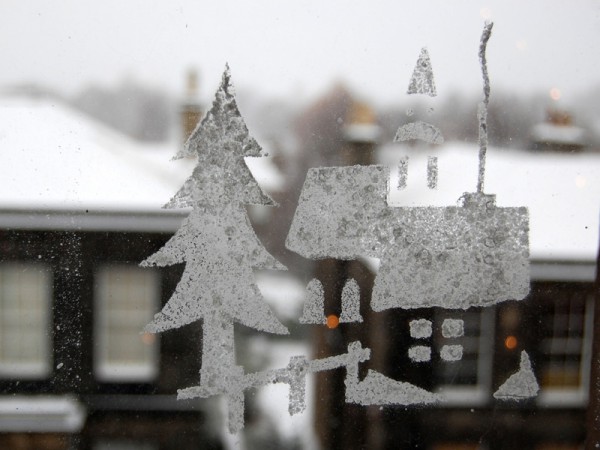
x,y
83,220
540,270
563,271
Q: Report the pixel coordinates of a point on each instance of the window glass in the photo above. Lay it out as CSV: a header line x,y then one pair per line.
x,y
126,299
25,314
140,307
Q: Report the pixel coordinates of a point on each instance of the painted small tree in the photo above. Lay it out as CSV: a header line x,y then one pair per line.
x,y
217,243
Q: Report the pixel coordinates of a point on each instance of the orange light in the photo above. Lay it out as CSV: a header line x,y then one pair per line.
x,y
332,321
148,338
511,342
555,94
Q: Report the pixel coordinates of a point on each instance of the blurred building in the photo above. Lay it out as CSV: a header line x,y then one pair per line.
x,y
554,324
79,209
558,133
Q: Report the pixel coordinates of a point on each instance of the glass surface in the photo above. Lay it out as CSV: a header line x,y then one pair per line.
x,y
384,319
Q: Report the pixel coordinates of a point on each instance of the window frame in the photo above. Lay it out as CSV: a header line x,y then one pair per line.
x,y
557,397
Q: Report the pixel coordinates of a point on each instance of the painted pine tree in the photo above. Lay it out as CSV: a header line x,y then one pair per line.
x,y
217,243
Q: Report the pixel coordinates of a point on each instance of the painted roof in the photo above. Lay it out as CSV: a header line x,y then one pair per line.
x,y
458,256
561,192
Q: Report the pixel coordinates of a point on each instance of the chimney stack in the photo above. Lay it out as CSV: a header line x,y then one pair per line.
x,y
190,111
361,134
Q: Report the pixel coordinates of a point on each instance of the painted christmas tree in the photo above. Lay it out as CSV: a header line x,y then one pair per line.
x,y
217,243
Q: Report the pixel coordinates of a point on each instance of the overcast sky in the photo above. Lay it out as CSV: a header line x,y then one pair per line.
x,y
298,48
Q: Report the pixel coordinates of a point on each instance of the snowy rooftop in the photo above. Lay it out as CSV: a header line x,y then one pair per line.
x,y
559,134
562,191
54,158
361,132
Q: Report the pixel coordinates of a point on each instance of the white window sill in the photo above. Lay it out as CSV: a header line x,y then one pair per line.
x,y
126,373
463,396
40,414
25,371
561,398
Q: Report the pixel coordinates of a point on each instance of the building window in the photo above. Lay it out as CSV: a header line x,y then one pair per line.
x,y
565,347
464,342
126,299
25,315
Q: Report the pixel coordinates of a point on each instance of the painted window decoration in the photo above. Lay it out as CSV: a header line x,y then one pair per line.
x,y
126,298
25,315
454,258
421,82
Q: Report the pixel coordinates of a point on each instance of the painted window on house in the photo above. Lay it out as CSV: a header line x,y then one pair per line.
x,y
25,316
126,298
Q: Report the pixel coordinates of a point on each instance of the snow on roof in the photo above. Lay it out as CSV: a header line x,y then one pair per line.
x,y
266,173
361,132
55,158
562,191
558,134
283,292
